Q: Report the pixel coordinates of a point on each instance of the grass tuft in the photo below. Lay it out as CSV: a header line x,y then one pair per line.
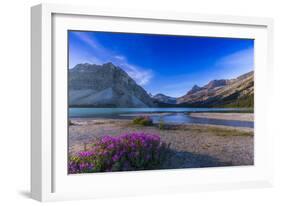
x,y
143,120
229,132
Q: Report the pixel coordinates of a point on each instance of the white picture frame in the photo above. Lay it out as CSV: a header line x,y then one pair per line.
x,y
49,180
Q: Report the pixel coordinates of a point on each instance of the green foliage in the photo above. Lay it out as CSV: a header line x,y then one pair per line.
x,y
161,123
143,120
246,102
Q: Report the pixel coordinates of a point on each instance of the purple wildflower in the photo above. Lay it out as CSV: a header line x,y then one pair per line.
x,y
129,151
85,154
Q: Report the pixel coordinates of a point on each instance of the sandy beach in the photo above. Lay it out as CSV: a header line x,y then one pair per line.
x,y
225,116
191,145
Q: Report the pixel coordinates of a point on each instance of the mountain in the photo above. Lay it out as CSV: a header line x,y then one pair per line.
x,y
238,92
108,85
161,98
105,85
193,90
216,83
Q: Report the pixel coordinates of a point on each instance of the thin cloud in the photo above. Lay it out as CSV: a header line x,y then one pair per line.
x,y
87,39
141,76
100,54
243,58
119,57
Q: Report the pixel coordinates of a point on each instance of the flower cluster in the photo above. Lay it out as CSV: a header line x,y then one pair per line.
x,y
132,151
143,120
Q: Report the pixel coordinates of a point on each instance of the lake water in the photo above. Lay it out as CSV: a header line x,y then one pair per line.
x,y
168,115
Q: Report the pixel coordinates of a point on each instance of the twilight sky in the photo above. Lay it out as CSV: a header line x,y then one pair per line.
x,y
164,64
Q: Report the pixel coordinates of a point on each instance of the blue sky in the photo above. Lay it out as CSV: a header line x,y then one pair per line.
x,y
164,64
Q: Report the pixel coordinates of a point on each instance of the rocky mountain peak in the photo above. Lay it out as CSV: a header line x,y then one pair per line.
x,y
244,76
195,87
83,67
105,85
216,83
109,65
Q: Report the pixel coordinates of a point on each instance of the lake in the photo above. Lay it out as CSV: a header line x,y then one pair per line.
x,y
168,115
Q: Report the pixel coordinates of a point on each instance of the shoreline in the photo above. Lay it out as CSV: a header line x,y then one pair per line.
x,y
100,121
237,120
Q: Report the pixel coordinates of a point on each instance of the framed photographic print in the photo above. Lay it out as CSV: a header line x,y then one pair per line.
x,y
135,102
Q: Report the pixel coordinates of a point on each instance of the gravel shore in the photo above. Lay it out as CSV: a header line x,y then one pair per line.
x,y
191,145
225,116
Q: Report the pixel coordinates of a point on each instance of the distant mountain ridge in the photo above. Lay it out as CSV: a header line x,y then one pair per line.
x,y
108,85
161,98
238,92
